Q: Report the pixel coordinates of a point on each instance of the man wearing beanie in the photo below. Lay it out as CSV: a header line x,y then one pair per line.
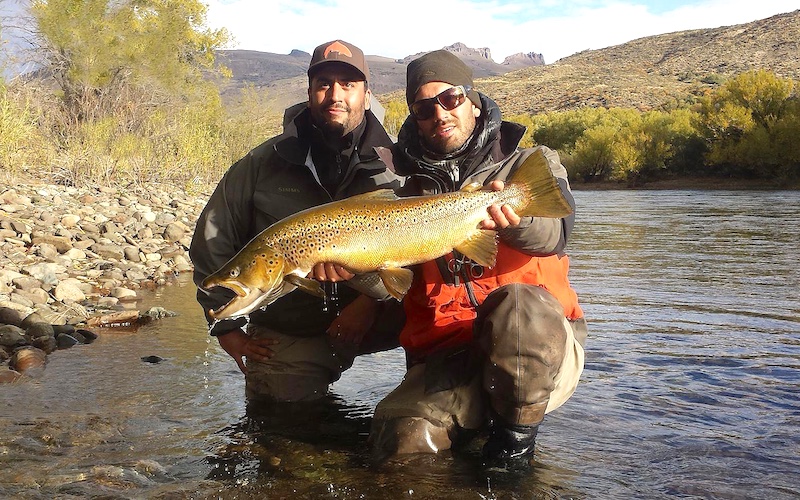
x,y
488,349
292,350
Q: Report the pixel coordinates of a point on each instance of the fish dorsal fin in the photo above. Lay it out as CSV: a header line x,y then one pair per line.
x,y
472,187
305,284
379,194
397,281
481,248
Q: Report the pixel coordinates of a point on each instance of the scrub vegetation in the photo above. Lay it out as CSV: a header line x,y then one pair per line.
x,y
744,129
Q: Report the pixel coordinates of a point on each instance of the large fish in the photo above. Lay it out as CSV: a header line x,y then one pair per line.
x,y
377,231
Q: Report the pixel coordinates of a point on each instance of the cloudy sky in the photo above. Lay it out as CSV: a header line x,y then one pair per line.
x,y
554,28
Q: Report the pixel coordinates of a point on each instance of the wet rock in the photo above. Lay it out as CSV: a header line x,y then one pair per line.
x,y
88,335
159,313
8,376
11,336
48,344
152,359
32,319
121,318
28,359
122,293
68,329
40,329
65,341
10,316
70,254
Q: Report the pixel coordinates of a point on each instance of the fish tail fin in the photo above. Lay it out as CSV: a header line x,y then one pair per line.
x,y
543,196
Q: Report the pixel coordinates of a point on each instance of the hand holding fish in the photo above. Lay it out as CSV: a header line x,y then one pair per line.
x,y
239,345
328,271
502,216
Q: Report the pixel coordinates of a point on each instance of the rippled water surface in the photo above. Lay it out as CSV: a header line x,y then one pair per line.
x,y
691,387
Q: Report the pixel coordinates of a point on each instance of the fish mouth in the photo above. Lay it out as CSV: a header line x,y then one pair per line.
x,y
237,287
236,307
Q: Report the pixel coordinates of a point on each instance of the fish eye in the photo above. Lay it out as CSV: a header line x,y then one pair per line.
x,y
234,273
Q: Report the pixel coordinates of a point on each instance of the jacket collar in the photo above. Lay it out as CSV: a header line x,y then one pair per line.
x,y
493,140
294,149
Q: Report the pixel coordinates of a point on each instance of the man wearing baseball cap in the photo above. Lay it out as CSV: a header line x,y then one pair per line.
x,y
296,347
489,349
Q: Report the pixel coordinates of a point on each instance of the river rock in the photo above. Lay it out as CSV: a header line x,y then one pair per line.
x,y
69,254
40,330
69,290
8,376
10,316
11,336
65,341
28,359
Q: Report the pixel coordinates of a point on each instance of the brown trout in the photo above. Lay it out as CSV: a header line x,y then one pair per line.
x,y
380,232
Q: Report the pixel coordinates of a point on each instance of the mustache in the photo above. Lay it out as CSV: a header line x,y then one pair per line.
x,y
339,106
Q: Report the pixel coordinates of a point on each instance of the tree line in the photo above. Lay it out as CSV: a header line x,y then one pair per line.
x,y
126,93
746,128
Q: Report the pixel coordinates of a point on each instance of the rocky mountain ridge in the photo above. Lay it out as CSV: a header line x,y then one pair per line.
x,y
283,76
653,72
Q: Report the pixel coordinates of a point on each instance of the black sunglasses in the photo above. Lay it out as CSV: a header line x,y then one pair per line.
x,y
449,99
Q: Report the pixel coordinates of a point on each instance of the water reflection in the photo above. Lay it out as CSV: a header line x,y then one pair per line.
x,y
319,450
691,388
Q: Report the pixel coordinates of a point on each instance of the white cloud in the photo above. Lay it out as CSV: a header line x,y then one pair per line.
x,y
554,29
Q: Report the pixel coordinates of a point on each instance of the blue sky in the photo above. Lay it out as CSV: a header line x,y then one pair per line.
x,y
554,28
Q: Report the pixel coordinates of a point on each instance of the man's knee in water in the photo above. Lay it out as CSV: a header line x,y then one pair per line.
x,y
405,435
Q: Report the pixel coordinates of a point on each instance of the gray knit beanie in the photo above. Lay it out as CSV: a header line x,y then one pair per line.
x,y
439,66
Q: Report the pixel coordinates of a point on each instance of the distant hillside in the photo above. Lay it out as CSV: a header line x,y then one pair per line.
x,y
284,76
647,73
653,72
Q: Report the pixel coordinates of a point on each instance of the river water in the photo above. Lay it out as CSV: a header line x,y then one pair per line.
x,y
691,387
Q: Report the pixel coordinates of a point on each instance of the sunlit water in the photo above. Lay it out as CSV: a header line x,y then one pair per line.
x,y
691,387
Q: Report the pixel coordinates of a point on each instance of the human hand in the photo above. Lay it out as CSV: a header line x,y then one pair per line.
x,y
327,271
500,217
238,345
354,321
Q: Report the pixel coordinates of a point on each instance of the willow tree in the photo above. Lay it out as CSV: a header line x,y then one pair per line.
x,y
748,123
110,56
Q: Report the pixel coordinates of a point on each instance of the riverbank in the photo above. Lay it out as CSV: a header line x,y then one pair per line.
x,y
700,183
69,254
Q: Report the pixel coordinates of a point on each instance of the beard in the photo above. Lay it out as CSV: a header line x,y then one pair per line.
x,y
337,127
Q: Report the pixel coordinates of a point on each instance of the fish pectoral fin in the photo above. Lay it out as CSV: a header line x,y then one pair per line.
x,y
305,284
397,281
481,247
472,187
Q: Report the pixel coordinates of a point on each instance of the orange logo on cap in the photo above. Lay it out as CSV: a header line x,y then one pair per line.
x,y
337,47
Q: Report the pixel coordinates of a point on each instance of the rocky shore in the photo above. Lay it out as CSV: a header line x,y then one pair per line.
x,y
72,258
